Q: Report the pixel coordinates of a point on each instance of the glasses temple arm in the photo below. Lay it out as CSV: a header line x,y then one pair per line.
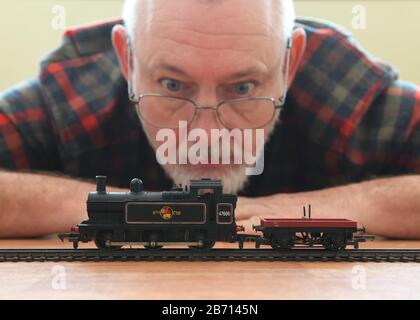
x,y
282,99
131,94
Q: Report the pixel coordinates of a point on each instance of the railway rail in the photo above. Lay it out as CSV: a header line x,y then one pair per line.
x,y
87,255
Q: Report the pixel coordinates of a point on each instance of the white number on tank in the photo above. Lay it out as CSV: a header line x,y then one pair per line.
x,y
224,213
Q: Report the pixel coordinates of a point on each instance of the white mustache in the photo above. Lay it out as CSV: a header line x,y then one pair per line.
x,y
218,152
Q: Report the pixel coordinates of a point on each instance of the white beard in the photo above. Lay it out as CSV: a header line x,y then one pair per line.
x,y
234,179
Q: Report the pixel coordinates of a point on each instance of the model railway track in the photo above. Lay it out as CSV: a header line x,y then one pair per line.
x,y
360,255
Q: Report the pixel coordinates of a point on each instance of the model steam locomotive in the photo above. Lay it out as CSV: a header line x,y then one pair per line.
x,y
196,216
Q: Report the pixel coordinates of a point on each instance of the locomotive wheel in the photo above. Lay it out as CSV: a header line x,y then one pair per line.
x,y
334,242
282,241
149,247
153,238
206,245
101,239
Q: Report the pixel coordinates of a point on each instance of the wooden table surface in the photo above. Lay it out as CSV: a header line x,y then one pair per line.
x,y
207,280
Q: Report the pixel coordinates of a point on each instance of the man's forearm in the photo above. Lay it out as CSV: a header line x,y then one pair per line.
x,y
37,204
389,207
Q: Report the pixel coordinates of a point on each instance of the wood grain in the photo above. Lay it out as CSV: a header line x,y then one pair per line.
x,y
207,280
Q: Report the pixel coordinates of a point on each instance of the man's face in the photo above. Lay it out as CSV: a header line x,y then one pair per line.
x,y
208,53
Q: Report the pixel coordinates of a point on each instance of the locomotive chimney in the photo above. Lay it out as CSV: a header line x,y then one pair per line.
x,y
136,186
101,184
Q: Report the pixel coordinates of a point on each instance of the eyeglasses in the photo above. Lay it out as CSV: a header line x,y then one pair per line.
x,y
166,111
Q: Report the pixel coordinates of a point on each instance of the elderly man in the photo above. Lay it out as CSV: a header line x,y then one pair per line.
x,y
346,139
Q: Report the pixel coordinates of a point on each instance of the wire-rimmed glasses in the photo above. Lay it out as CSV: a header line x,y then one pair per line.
x,y
165,111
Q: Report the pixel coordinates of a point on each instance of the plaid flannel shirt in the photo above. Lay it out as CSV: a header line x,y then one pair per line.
x,y
347,118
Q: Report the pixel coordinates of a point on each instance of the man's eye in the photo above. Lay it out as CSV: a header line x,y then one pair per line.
x,y
243,88
171,85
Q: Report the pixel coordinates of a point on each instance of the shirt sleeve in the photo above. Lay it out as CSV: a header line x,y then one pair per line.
x,y
27,140
409,158
387,140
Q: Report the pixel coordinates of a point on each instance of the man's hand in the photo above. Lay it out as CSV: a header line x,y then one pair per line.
x,y
250,210
388,207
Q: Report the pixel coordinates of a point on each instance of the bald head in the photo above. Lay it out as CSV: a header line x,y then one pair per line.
x,y
208,43
278,15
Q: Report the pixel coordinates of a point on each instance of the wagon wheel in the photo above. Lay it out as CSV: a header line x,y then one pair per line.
x,y
334,241
314,238
282,241
101,239
340,243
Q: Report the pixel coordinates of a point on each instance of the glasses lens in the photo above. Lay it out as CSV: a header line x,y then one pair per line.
x,y
165,112
246,114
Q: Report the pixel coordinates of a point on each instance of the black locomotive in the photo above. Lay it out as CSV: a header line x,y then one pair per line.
x,y
197,216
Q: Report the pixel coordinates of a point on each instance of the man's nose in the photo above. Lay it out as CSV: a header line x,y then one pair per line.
x,y
206,117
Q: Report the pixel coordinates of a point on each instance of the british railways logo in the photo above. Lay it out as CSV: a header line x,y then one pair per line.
x,y
167,213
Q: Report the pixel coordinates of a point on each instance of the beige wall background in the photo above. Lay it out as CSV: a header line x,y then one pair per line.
x,y
26,33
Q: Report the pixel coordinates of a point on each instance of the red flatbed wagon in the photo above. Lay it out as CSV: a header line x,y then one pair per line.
x,y
332,234
308,223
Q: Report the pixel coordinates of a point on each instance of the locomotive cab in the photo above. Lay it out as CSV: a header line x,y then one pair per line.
x,y
224,204
221,224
